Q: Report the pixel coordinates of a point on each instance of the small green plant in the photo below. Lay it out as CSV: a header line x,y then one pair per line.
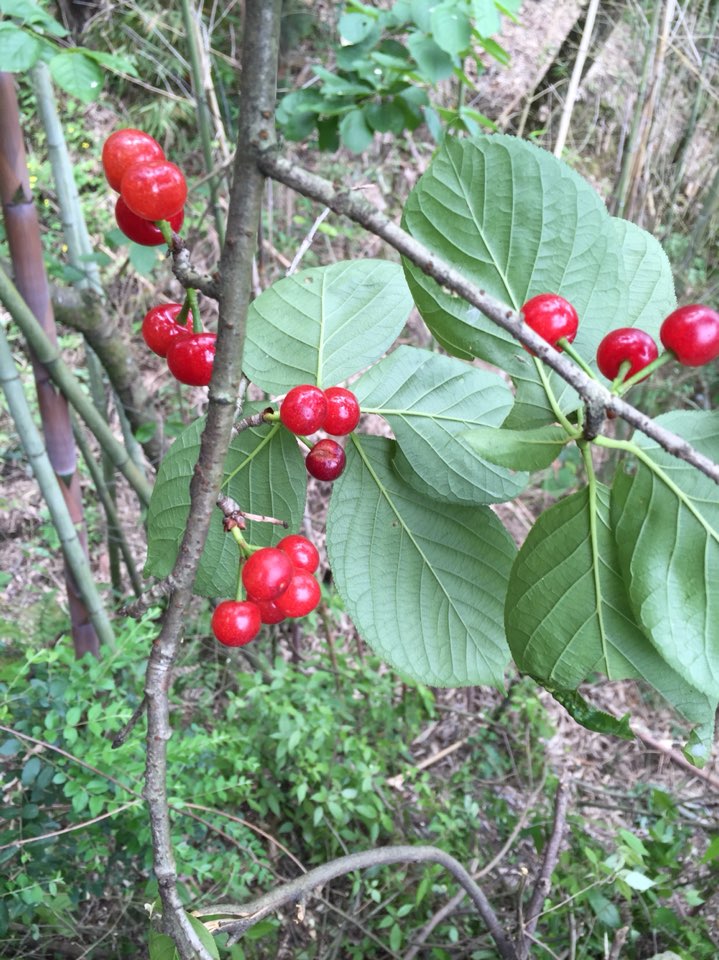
x,y
387,64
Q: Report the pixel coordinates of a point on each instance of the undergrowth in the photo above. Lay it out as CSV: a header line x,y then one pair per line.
x,y
277,766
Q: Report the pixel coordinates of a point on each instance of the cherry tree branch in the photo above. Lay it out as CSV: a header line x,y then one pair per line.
x,y
257,97
595,396
298,890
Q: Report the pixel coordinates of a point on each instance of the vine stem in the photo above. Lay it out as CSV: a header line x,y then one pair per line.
x,y
257,99
594,395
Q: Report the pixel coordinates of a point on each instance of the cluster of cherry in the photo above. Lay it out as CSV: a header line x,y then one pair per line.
x,y
279,582
689,334
306,409
152,191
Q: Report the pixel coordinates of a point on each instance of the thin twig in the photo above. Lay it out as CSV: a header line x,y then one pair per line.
x,y
307,242
186,273
593,393
121,737
549,862
149,598
75,826
297,891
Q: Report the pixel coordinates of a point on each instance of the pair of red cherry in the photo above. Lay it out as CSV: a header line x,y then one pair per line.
x,y
691,333
150,187
308,408
189,355
279,582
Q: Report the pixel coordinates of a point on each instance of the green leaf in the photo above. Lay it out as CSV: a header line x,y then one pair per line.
x,y
486,17
666,522
429,400
205,937
34,16
649,279
568,613
19,49
517,222
322,325
384,117
589,717
253,457
356,27
354,132
450,27
162,947
143,259
518,449
77,74
636,880
423,582
111,61
434,63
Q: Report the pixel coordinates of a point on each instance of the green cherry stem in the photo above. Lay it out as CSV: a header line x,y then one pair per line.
x,y
166,230
573,355
182,315
245,548
195,307
624,369
663,358
561,418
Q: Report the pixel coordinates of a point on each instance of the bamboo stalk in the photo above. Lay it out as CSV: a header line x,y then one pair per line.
x,y
189,16
79,247
49,355
26,253
98,623
576,77
633,140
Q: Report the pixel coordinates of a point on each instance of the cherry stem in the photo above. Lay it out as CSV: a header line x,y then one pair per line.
x,y
166,230
195,307
663,358
246,549
240,592
183,314
624,368
573,355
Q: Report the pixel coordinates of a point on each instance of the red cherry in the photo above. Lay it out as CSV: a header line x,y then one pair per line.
x,y
270,612
326,460
159,327
154,191
343,411
267,573
143,231
302,595
236,622
625,343
304,409
302,553
190,357
123,148
692,334
552,317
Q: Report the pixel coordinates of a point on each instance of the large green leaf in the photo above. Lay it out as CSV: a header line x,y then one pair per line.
x,y
322,325
77,74
19,49
650,284
568,613
517,222
253,458
423,581
428,400
666,519
519,449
